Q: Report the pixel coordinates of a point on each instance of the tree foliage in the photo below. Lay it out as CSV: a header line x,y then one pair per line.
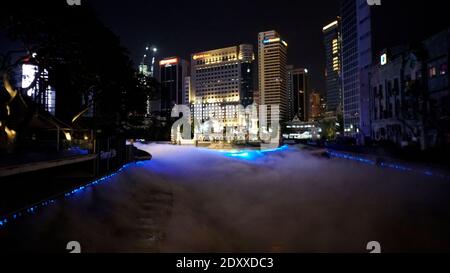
x,y
81,55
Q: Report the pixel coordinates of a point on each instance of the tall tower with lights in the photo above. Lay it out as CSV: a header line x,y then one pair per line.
x,y
332,43
172,76
147,68
298,93
272,56
357,50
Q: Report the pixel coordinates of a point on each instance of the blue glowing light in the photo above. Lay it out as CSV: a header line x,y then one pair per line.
x,y
394,166
351,157
240,155
32,209
279,149
252,154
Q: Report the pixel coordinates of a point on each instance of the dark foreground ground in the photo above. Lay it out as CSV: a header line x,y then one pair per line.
x,y
191,200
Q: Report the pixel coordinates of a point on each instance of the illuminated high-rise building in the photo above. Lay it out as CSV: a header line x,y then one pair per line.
x,y
357,53
143,69
221,81
298,84
147,65
272,69
290,92
332,43
315,106
172,75
147,68
187,90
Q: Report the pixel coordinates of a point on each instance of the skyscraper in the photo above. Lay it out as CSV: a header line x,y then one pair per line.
x,y
290,113
332,43
187,90
272,65
146,68
298,81
221,80
315,106
147,64
173,72
356,62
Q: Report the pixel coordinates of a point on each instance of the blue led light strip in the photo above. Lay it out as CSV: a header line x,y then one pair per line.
x,y
394,166
32,209
351,157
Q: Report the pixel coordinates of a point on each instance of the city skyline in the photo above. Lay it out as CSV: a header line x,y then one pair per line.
x,y
400,21
219,127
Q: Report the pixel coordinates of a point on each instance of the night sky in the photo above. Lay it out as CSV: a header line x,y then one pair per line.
x,y
184,27
179,28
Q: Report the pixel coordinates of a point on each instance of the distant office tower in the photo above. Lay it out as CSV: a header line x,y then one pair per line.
x,y
357,54
332,42
147,65
221,80
173,72
247,74
272,69
290,91
143,69
187,90
315,103
298,81
146,68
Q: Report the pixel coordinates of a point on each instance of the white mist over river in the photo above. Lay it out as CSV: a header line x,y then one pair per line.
x,y
195,200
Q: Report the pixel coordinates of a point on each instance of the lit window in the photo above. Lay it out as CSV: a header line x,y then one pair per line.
x,y
432,72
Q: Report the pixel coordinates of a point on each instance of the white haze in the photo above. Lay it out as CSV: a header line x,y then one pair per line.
x,y
198,200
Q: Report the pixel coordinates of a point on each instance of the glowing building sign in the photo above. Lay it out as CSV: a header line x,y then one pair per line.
x,y
201,56
275,40
169,61
330,25
268,41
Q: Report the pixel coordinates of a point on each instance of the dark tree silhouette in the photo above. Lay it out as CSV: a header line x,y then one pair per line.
x,y
84,59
